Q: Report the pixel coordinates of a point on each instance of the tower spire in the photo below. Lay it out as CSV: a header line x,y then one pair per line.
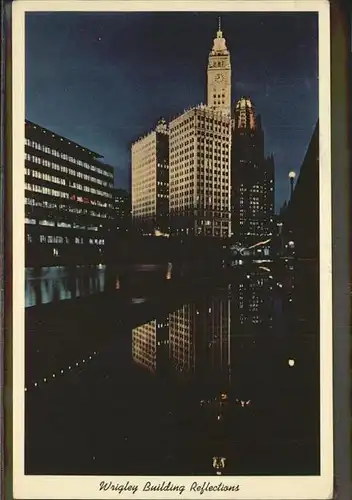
x,y
219,33
219,73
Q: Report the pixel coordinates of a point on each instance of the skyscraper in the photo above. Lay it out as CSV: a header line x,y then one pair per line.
x,y
68,200
219,75
200,145
200,154
150,180
252,180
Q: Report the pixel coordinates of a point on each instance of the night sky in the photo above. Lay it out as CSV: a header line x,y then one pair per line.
x,y
104,79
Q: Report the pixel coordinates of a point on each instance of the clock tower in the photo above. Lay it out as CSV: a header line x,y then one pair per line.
x,y
219,75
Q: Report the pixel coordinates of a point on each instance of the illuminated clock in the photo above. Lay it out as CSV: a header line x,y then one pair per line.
x,y
219,77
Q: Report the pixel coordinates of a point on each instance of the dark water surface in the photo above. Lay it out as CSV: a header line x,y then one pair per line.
x,y
49,284
162,383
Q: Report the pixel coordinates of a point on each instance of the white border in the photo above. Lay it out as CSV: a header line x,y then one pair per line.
x,y
68,487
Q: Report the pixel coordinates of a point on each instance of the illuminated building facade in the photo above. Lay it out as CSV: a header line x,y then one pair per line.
x,y
200,154
68,200
200,147
150,181
219,75
252,179
150,345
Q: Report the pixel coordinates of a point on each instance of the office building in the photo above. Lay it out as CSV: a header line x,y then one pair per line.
x,y
150,181
68,200
200,145
122,210
252,181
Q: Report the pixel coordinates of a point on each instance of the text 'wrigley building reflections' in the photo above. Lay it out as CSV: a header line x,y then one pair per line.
x,y
208,166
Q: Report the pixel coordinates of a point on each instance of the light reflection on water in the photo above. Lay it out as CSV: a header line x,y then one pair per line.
x,y
229,373
240,362
50,284
201,332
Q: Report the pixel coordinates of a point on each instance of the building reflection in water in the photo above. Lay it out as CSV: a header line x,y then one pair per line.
x,y
195,339
49,284
253,299
190,341
242,355
199,336
150,344
227,383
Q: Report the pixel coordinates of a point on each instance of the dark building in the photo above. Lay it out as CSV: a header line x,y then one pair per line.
x,y
68,200
122,210
278,241
301,218
252,180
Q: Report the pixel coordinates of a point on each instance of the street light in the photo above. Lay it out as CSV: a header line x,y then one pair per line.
x,y
291,176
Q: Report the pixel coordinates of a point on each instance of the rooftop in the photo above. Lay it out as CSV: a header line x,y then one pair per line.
x,y
64,140
205,108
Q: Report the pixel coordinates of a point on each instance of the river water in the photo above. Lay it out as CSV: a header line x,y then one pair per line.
x,y
50,284
226,377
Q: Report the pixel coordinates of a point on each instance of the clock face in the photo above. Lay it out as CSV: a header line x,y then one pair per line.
x,y
219,77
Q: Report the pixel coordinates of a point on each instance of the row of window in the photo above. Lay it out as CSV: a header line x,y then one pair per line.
x,y
217,141
145,145
177,169
186,153
65,156
45,177
32,202
61,194
43,238
45,190
59,224
209,138
61,180
66,170
143,163
211,129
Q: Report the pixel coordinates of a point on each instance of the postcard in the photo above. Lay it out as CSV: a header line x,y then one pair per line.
x,y
172,310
